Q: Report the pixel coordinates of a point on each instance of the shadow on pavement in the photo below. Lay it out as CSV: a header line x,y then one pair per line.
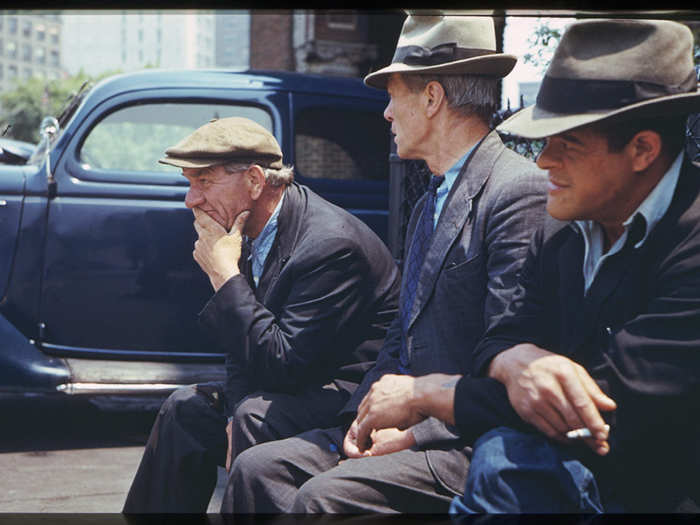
x,y
38,425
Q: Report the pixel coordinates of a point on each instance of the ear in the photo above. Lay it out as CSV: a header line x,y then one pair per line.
x,y
434,96
255,177
644,148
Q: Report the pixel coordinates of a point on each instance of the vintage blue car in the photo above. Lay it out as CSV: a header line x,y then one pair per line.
x,y
99,293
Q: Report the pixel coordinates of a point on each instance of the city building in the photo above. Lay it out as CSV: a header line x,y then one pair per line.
x,y
30,45
232,40
130,40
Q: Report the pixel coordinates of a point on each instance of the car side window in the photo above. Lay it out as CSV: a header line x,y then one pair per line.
x,y
133,138
331,143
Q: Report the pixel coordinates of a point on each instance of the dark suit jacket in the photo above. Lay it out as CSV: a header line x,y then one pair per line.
x,y
326,296
469,274
637,332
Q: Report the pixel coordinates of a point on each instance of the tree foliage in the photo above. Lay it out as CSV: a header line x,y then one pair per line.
x,y
31,100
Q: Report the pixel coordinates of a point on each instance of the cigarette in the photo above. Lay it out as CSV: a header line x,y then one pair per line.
x,y
581,433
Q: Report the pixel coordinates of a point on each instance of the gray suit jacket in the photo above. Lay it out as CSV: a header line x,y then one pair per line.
x,y
469,275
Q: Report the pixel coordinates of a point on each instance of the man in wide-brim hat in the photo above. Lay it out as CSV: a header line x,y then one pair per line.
x,y
596,360
466,240
607,317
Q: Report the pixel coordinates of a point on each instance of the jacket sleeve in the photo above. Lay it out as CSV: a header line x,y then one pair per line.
x,y
515,213
303,344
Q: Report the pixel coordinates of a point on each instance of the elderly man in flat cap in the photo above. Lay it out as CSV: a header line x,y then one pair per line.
x,y
466,241
298,313
599,352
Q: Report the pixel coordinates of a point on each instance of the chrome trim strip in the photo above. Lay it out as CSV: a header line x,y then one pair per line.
x,y
114,388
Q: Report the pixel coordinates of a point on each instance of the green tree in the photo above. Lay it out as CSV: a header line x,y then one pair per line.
x,y
30,101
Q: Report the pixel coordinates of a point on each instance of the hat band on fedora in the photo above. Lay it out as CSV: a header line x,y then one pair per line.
x,y
566,95
423,56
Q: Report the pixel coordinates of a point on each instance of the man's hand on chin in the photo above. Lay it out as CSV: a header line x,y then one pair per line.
x,y
217,251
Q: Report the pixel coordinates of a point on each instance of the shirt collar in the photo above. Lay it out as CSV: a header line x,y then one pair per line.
x,y
270,228
452,173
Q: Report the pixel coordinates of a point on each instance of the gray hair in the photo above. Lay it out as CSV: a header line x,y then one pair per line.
x,y
466,94
273,177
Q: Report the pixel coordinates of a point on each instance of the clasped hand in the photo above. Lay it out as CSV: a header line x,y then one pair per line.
x,y
217,251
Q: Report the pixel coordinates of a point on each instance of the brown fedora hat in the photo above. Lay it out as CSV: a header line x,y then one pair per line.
x,y
612,69
445,44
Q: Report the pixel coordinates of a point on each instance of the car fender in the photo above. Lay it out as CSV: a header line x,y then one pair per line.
x,y
24,368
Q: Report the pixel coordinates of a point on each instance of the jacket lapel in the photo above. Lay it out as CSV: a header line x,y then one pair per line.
x,y
288,225
455,214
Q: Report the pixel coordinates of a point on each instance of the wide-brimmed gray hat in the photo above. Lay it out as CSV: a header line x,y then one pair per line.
x,y
232,139
612,69
445,44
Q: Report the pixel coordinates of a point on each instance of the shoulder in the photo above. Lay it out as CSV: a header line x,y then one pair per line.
x,y
327,227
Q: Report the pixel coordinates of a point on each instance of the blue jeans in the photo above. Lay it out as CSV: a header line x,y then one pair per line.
x,y
516,472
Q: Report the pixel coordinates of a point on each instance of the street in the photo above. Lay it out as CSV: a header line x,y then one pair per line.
x,y
71,456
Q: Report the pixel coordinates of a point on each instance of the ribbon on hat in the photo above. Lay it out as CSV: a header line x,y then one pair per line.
x,y
441,54
566,95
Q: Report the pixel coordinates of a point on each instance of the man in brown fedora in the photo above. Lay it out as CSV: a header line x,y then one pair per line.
x,y
590,384
300,312
466,240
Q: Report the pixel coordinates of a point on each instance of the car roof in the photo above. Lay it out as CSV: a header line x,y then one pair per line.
x,y
228,78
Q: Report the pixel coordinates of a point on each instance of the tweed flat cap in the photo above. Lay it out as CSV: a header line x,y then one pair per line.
x,y
232,139
612,69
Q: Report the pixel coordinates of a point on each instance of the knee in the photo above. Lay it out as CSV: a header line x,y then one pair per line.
x,y
312,497
179,402
252,467
248,418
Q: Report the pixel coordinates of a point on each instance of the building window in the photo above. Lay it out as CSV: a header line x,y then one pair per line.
x,y
40,33
11,49
2,18
26,52
27,28
54,35
1,46
11,71
54,58
40,55
12,25
341,20
27,72
2,71
140,35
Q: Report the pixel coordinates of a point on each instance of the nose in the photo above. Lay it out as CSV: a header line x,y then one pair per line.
x,y
193,198
547,159
389,112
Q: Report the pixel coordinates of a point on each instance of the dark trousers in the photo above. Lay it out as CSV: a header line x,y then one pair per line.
x,y
178,470
308,474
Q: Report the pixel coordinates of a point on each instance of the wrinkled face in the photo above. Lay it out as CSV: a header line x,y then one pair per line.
x,y
407,123
219,194
586,180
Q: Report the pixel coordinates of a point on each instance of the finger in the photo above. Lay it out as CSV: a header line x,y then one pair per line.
x,y
209,224
364,430
603,402
240,221
599,446
544,426
578,391
578,407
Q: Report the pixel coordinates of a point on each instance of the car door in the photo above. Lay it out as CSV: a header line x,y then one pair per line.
x,y
341,151
119,278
